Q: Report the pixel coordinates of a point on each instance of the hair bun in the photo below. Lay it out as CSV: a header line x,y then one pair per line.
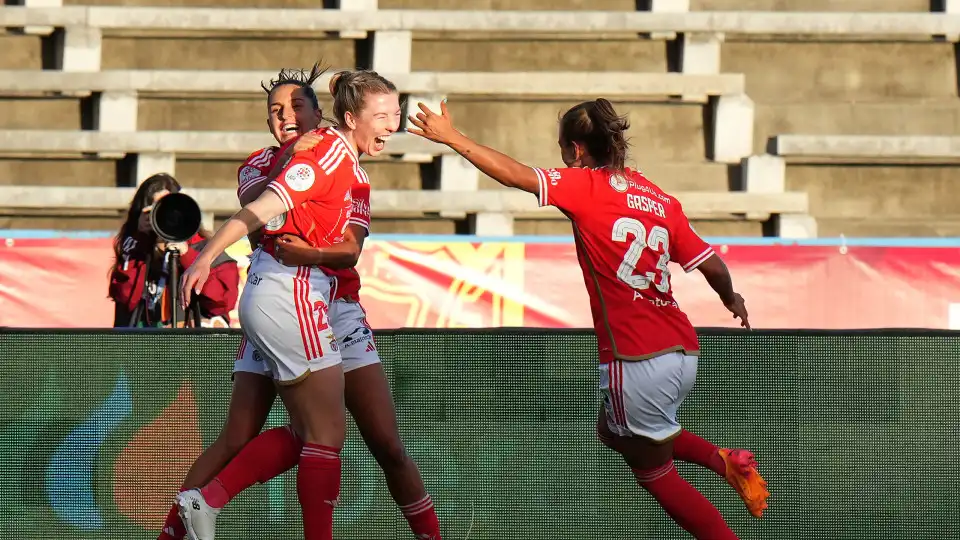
x,y
333,82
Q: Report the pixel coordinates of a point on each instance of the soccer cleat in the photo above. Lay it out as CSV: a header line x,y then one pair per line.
x,y
743,476
199,518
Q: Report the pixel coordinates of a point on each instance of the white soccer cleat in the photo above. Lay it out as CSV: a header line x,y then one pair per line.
x,y
199,518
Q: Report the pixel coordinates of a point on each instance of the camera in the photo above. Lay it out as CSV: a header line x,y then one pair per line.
x,y
176,218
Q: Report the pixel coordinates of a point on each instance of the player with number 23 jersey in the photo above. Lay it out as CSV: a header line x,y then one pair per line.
x,y
627,231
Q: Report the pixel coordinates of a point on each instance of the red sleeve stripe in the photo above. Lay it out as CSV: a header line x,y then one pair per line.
x,y
698,260
331,160
262,159
282,192
543,198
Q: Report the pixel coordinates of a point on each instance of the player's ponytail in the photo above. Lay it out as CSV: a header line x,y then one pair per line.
x,y
300,78
597,126
349,88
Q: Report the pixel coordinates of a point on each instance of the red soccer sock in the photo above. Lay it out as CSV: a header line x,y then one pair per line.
x,y
318,488
173,528
687,506
422,518
695,449
268,455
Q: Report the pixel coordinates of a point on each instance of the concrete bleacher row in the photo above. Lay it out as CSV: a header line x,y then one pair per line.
x,y
768,173
117,91
372,20
493,212
701,33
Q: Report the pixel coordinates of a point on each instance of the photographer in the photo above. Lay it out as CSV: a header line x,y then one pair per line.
x,y
140,280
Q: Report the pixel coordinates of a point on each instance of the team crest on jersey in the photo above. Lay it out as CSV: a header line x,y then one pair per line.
x,y
249,173
619,183
300,177
275,223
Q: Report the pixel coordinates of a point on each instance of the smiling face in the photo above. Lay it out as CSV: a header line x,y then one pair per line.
x,y
291,113
378,118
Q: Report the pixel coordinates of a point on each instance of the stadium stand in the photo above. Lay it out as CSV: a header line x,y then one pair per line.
x,y
710,87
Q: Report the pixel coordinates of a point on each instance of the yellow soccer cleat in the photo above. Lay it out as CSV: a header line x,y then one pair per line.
x,y
743,476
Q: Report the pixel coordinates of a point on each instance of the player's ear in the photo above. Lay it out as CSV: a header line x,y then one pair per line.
x,y
578,151
350,120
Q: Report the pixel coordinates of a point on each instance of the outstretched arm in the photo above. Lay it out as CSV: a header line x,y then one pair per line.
x,y
501,167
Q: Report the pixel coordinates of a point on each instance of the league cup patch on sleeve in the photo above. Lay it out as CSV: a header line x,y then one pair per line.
x,y
300,177
249,173
275,223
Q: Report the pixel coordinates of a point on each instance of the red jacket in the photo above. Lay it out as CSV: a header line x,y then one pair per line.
x,y
218,297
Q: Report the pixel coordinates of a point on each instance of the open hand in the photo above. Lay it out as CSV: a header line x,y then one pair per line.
x,y
435,127
739,310
294,251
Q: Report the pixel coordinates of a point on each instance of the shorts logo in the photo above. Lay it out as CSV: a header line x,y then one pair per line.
x,y
359,335
300,177
618,183
276,223
256,356
248,173
334,346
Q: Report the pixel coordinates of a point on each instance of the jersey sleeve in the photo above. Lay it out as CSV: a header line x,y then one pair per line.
x,y
565,188
300,181
255,169
689,250
361,205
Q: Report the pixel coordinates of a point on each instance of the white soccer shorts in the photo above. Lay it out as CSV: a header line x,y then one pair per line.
x,y
642,398
357,347
284,315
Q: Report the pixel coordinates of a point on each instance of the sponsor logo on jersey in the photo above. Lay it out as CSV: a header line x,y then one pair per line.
x,y
361,208
359,335
619,183
275,223
554,176
300,177
249,173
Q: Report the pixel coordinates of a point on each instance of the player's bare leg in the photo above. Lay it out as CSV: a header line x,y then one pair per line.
x,y
652,465
316,408
250,402
368,398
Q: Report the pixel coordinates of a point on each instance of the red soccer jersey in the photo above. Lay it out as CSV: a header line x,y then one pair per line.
x,y
348,280
255,168
626,231
315,189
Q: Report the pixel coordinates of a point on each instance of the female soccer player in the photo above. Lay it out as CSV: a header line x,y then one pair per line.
x,y
277,450
626,231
